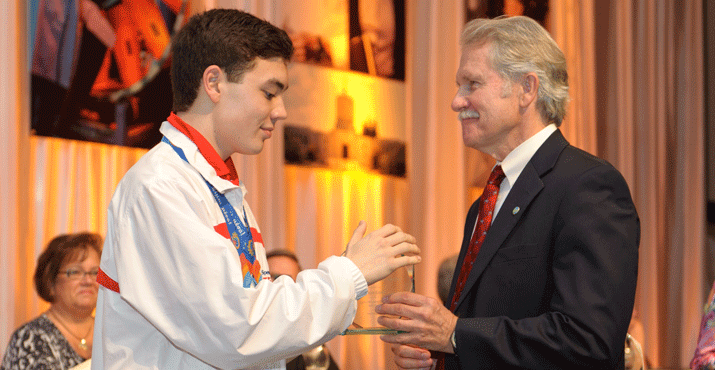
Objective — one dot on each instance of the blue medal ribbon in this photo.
(239, 231)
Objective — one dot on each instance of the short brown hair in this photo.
(228, 38)
(62, 248)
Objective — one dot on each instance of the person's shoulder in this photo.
(159, 167)
(575, 161)
(572, 153)
(579, 170)
(557, 158)
(159, 162)
(40, 324)
(159, 182)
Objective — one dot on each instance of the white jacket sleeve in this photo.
(185, 280)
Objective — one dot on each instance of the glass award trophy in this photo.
(365, 322)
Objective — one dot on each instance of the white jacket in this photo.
(177, 299)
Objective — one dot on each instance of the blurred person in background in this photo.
(61, 337)
(444, 277)
(704, 356)
(284, 262)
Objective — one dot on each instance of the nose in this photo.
(279, 111)
(459, 103)
(88, 277)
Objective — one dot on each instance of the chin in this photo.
(251, 150)
(468, 141)
(256, 151)
(259, 147)
(86, 306)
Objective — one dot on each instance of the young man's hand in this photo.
(382, 251)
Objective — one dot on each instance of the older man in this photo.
(550, 284)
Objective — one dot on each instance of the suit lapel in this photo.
(527, 186)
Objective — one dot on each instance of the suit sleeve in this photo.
(595, 236)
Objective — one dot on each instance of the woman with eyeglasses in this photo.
(61, 337)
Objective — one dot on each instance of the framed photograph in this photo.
(344, 120)
(536, 9)
(366, 36)
(100, 69)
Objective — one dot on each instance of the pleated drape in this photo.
(651, 126)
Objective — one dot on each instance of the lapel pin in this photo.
(515, 210)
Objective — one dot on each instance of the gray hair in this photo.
(519, 45)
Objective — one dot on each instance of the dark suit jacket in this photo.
(554, 283)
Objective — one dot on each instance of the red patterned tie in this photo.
(486, 208)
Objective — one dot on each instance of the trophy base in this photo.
(401, 280)
(370, 331)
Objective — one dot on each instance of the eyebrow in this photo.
(275, 82)
(471, 78)
(463, 77)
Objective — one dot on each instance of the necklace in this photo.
(82, 341)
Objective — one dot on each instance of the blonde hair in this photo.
(519, 45)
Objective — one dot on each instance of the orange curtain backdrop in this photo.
(322, 208)
(572, 26)
(72, 183)
(14, 185)
(651, 126)
(436, 158)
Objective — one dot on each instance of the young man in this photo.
(184, 273)
(551, 283)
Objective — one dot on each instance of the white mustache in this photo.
(465, 114)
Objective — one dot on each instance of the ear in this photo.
(210, 82)
(529, 89)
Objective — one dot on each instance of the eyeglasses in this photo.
(77, 274)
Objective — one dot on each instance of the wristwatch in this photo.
(454, 341)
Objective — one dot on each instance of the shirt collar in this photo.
(515, 161)
(224, 169)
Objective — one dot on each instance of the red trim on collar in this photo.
(104, 280)
(224, 169)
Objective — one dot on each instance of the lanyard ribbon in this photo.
(239, 231)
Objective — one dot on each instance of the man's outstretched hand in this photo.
(423, 321)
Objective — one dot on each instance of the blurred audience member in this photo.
(704, 357)
(284, 262)
(635, 360)
(61, 337)
(444, 276)
(635, 356)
